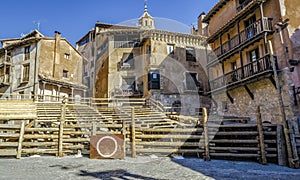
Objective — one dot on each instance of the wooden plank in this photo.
(76, 140)
(21, 138)
(6, 135)
(167, 136)
(235, 148)
(43, 136)
(236, 133)
(32, 144)
(9, 144)
(281, 152)
(246, 141)
(295, 160)
(171, 144)
(171, 130)
(8, 152)
(61, 128)
(261, 136)
(133, 148)
(168, 150)
(234, 155)
(232, 125)
(41, 129)
(9, 126)
(205, 133)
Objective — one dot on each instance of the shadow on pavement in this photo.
(113, 174)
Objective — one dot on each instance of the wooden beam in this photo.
(206, 140)
(261, 136)
(21, 138)
(281, 152)
(133, 145)
(249, 92)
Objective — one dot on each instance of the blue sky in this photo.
(74, 18)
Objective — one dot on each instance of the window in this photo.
(67, 56)
(153, 80)
(170, 49)
(128, 83)
(250, 30)
(190, 54)
(26, 69)
(233, 66)
(127, 60)
(253, 55)
(65, 73)
(191, 81)
(27, 53)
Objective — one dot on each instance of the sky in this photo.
(74, 18)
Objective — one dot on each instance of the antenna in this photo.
(38, 24)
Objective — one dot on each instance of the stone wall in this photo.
(265, 95)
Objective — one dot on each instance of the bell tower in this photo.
(146, 21)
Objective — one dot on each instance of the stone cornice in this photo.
(174, 37)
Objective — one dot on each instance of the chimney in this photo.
(56, 58)
(201, 24)
(57, 35)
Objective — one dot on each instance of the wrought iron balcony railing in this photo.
(254, 69)
(249, 33)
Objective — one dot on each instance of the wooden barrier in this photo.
(62, 128)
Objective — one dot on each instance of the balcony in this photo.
(255, 69)
(7, 60)
(4, 80)
(126, 44)
(245, 36)
(243, 5)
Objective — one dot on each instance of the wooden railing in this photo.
(250, 32)
(3, 60)
(255, 68)
(4, 79)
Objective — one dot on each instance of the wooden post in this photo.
(94, 128)
(261, 136)
(295, 161)
(205, 131)
(124, 134)
(61, 128)
(133, 148)
(21, 137)
(281, 152)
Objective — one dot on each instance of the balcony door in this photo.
(253, 60)
(249, 27)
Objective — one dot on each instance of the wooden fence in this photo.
(63, 128)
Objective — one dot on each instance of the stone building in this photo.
(141, 61)
(240, 67)
(38, 65)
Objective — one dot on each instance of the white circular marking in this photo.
(107, 155)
